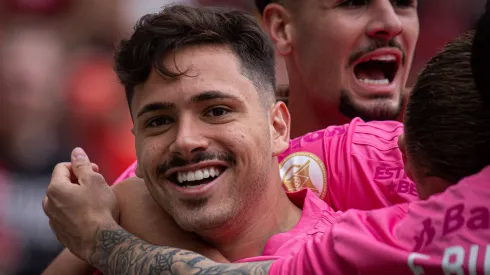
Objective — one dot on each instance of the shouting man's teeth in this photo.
(375, 82)
(386, 58)
(377, 70)
(197, 175)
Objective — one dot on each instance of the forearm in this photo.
(119, 252)
(67, 263)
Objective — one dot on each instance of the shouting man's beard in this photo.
(380, 108)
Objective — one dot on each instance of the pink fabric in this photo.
(356, 165)
(364, 167)
(316, 218)
(447, 234)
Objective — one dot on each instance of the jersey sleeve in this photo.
(352, 166)
(447, 234)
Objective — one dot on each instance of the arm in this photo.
(118, 251)
(67, 263)
(142, 216)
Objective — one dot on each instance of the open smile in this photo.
(196, 176)
(377, 70)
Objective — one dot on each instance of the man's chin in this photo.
(377, 108)
(199, 221)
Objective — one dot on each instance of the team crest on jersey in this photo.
(304, 170)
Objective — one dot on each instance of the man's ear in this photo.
(138, 172)
(403, 150)
(280, 121)
(277, 22)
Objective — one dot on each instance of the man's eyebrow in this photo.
(204, 96)
(157, 106)
(210, 95)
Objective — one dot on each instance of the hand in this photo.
(78, 201)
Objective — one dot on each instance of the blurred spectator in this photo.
(57, 91)
(31, 73)
(30, 77)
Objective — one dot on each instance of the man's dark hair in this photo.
(158, 35)
(447, 122)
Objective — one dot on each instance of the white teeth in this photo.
(197, 174)
(182, 177)
(205, 173)
(375, 82)
(388, 57)
(190, 176)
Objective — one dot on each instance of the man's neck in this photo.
(308, 117)
(246, 237)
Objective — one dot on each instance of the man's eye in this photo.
(217, 112)
(158, 121)
(404, 3)
(353, 3)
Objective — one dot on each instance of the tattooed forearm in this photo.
(119, 252)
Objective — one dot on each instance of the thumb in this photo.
(80, 163)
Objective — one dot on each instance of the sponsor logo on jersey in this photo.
(304, 170)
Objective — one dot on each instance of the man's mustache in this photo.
(376, 44)
(177, 161)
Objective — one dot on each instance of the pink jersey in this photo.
(357, 165)
(447, 234)
(316, 218)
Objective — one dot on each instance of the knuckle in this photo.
(91, 177)
(51, 190)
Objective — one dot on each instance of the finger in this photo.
(74, 179)
(80, 163)
(62, 171)
(47, 208)
(45, 204)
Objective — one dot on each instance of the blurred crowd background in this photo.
(58, 91)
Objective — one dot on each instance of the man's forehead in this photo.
(188, 85)
(194, 81)
(201, 57)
